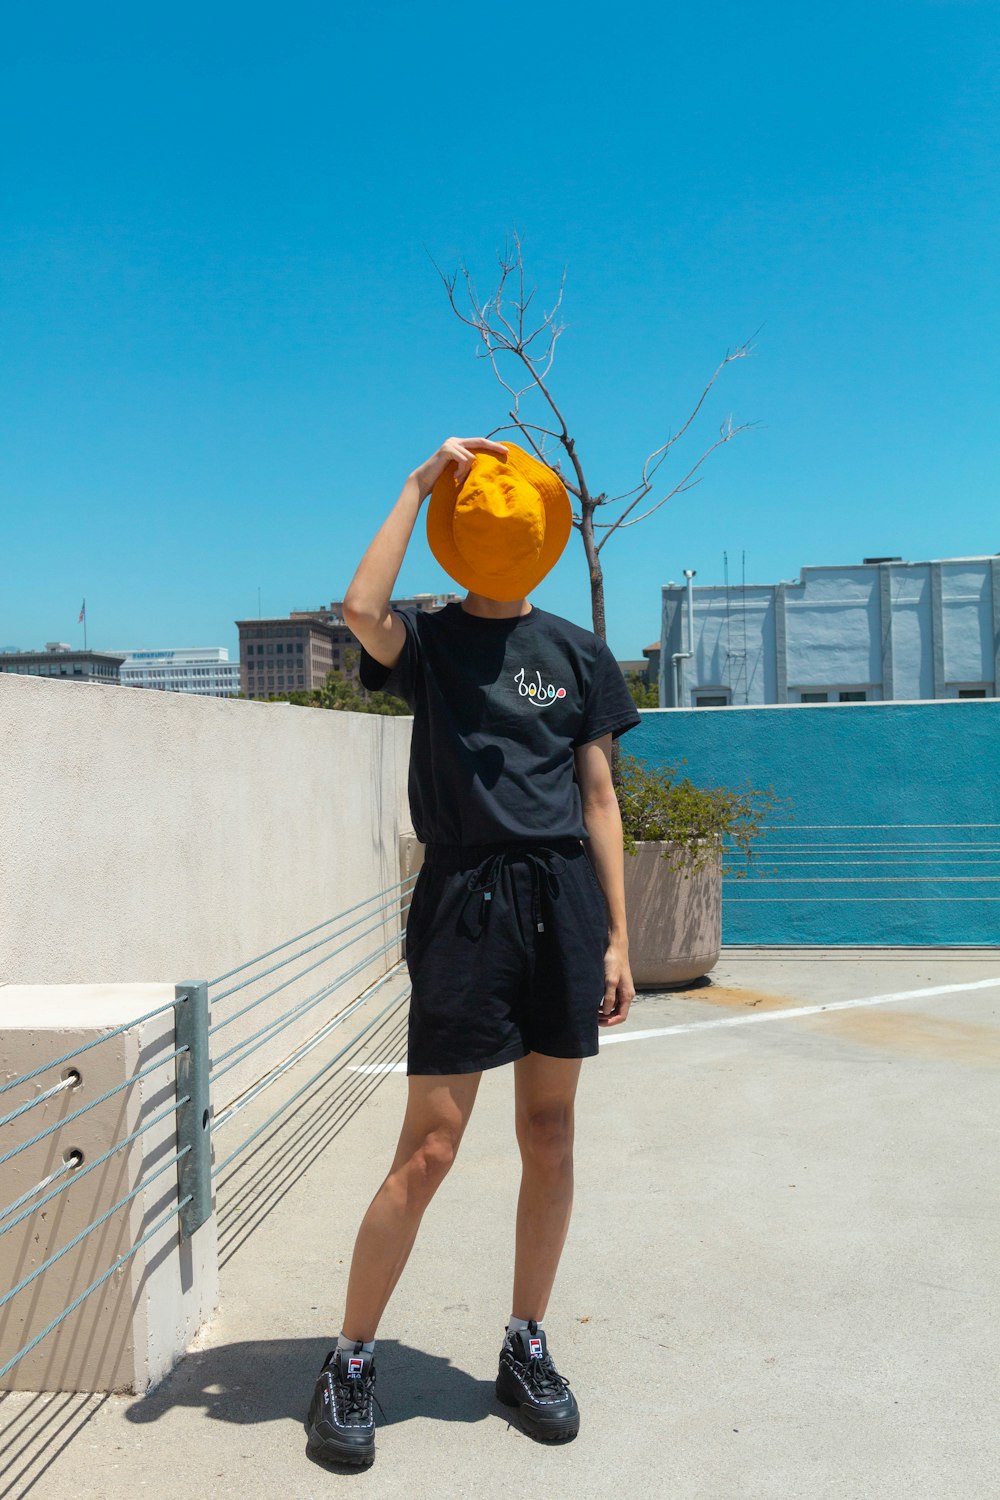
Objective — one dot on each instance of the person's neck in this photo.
(495, 609)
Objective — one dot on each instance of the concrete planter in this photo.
(674, 924)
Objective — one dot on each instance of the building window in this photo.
(814, 697)
(972, 692)
(301, 679)
(853, 696)
(711, 700)
(299, 648)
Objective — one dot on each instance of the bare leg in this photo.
(437, 1112)
(544, 1093)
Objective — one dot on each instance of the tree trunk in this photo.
(587, 507)
(594, 568)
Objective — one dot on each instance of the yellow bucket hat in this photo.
(504, 529)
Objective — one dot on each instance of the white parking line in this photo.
(749, 1019)
(801, 1010)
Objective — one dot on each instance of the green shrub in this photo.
(660, 805)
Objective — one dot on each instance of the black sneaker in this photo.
(529, 1380)
(341, 1422)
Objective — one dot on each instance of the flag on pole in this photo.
(83, 611)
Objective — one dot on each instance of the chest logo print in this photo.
(541, 693)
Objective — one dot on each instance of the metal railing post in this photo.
(194, 1169)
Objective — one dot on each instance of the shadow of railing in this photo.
(35, 1429)
(253, 1186)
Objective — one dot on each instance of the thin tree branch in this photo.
(726, 434)
(742, 351)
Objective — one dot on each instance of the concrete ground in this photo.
(780, 1281)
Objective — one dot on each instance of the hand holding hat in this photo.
(458, 451)
(498, 518)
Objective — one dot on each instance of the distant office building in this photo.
(205, 670)
(648, 668)
(60, 660)
(298, 653)
(286, 655)
(881, 629)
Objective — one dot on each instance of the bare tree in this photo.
(520, 345)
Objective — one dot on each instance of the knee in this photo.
(431, 1160)
(546, 1139)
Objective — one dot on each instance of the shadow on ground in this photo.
(255, 1382)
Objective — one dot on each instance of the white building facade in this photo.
(881, 629)
(206, 670)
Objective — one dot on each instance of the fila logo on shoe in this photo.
(534, 1348)
(354, 1367)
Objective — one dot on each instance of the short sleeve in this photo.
(609, 707)
(401, 678)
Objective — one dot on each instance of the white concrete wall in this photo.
(912, 633)
(932, 642)
(832, 629)
(129, 1332)
(968, 623)
(163, 837)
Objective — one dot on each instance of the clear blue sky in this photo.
(224, 343)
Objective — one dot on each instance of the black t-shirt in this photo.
(499, 706)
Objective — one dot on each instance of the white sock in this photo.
(343, 1343)
(518, 1325)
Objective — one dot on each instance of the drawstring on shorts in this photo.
(544, 861)
(545, 865)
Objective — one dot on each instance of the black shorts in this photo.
(505, 946)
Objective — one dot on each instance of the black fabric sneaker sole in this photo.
(359, 1455)
(555, 1429)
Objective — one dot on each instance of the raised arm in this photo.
(366, 603)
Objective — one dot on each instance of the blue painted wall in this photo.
(905, 765)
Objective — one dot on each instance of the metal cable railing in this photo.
(30, 1203)
(77, 1301)
(308, 933)
(269, 1078)
(264, 1036)
(69, 1082)
(75, 1167)
(98, 1223)
(269, 994)
(920, 862)
(220, 1166)
(190, 1157)
(98, 1041)
(267, 1033)
(85, 1109)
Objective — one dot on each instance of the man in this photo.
(517, 953)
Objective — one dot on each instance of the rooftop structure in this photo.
(60, 660)
(206, 670)
(877, 630)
